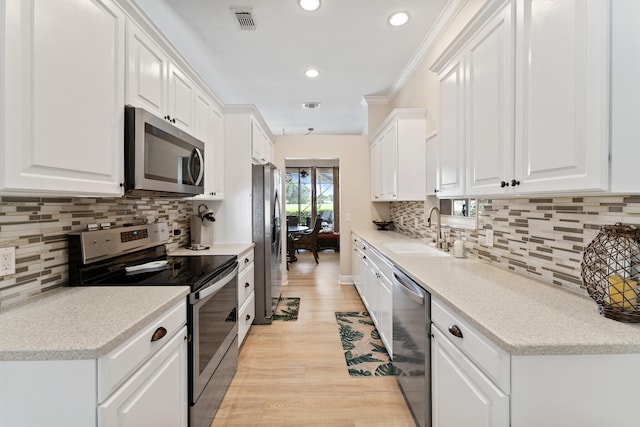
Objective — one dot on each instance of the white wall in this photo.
(353, 154)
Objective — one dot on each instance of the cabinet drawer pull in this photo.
(246, 260)
(455, 331)
(158, 334)
(246, 285)
(248, 317)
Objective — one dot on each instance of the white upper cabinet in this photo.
(452, 132)
(261, 145)
(63, 97)
(181, 99)
(147, 71)
(536, 99)
(489, 106)
(208, 127)
(433, 168)
(384, 162)
(398, 157)
(156, 83)
(562, 95)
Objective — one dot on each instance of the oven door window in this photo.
(214, 327)
(168, 159)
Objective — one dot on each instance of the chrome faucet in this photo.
(442, 244)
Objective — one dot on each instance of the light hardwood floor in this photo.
(294, 373)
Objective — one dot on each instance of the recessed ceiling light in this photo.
(398, 19)
(311, 73)
(310, 5)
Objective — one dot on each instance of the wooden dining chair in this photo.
(309, 241)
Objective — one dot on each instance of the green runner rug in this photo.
(363, 349)
(287, 309)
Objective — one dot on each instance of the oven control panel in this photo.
(102, 244)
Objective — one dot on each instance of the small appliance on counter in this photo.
(201, 229)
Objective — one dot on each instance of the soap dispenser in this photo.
(458, 247)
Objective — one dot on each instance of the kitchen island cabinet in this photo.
(543, 353)
(95, 356)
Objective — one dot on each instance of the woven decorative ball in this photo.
(611, 272)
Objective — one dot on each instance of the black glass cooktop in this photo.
(193, 271)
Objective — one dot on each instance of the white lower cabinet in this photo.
(462, 394)
(372, 276)
(246, 315)
(385, 311)
(470, 378)
(141, 382)
(155, 395)
(246, 294)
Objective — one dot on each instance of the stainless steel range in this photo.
(136, 256)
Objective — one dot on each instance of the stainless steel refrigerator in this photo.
(266, 236)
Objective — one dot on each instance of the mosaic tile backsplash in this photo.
(38, 227)
(543, 238)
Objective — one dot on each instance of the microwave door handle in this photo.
(196, 181)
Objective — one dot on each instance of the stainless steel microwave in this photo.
(160, 157)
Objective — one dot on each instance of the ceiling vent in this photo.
(245, 19)
(310, 105)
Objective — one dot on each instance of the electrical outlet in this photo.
(7, 261)
(489, 238)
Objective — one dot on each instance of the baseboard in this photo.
(346, 280)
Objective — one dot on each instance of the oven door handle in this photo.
(215, 287)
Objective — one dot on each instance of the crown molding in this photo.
(449, 12)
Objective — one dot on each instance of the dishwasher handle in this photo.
(408, 287)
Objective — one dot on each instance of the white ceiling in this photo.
(349, 42)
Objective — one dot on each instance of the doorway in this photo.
(312, 189)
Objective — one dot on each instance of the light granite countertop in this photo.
(215, 249)
(521, 315)
(72, 323)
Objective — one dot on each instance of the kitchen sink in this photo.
(415, 248)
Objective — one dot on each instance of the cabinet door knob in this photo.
(158, 334)
(248, 317)
(246, 285)
(515, 182)
(246, 260)
(504, 184)
(455, 331)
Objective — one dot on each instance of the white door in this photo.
(147, 68)
(433, 186)
(216, 149)
(451, 149)
(181, 99)
(156, 395)
(562, 98)
(64, 83)
(489, 102)
(257, 143)
(385, 309)
(390, 163)
(461, 394)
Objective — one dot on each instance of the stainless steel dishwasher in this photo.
(412, 345)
